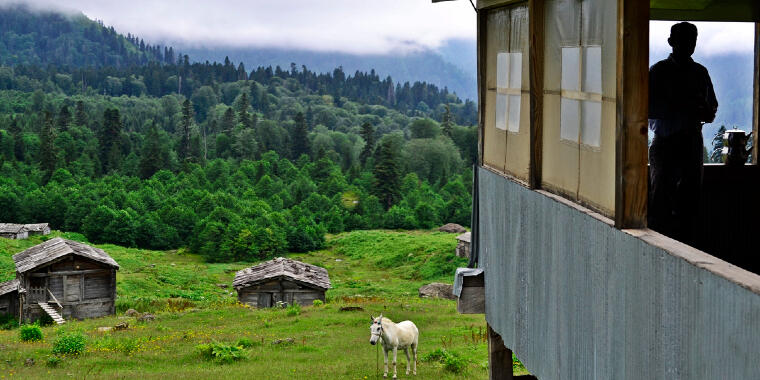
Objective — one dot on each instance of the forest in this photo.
(226, 163)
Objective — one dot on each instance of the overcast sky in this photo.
(351, 26)
(354, 26)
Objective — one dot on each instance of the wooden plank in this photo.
(481, 53)
(631, 173)
(499, 357)
(485, 4)
(472, 300)
(756, 96)
(69, 273)
(536, 18)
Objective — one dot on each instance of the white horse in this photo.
(403, 335)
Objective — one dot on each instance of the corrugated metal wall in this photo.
(577, 299)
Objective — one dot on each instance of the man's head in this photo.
(683, 39)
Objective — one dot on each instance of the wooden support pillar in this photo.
(499, 357)
(481, 55)
(536, 67)
(631, 173)
(756, 96)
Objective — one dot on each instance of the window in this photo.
(581, 105)
(508, 91)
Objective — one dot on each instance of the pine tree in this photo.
(300, 136)
(368, 134)
(80, 116)
(446, 122)
(228, 120)
(64, 118)
(183, 152)
(242, 111)
(48, 151)
(387, 174)
(309, 118)
(18, 139)
(110, 140)
(154, 154)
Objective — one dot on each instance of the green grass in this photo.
(379, 271)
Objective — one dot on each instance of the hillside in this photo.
(378, 271)
(68, 39)
(439, 68)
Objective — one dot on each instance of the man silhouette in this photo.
(681, 99)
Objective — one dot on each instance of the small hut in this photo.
(9, 298)
(463, 245)
(37, 229)
(281, 280)
(13, 231)
(65, 279)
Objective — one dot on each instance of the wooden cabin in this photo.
(37, 229)
(281, 280)
(65, 279)
(574, 281)
(13, 231)
(9, 298)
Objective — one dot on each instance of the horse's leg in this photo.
(414, 353)
(395, 352)
(385, 371)
(406, 350)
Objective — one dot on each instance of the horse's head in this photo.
(376, 329)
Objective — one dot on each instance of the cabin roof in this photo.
(11, 228)
(8, 286)
(307, 274)
(56, 248)
(465, 237)
(37, 227)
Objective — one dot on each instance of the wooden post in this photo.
(631, 172)
(499, 357)
(481, 52)
(756, 96)
(536, 67)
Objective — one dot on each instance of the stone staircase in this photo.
(52, 313)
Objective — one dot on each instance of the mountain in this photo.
(444, 68)
(38, 37)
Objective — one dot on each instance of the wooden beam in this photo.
(499, 357)
(631, 173)
(69, 273)
(481, 52)
(536, 67)
(756, 96)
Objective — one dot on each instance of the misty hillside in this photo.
(46, 37)
(444, 68)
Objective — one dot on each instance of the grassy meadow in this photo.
(379, 271)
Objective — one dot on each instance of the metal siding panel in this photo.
(576, 298)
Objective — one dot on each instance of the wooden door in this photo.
(72, 288)
(264, 300)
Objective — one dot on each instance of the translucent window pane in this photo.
(514, 113)
(502, 70)
(592, 69)
(501, 111)
(515, 70)
(571, 61)
(591, 123)
(569, 119)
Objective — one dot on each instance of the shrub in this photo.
(221, 353)
(451, 361)
(246, 343)
(30, 333)
(8, 322)
(69, 344)
(53, 361)
(318, 303)
(294, 309)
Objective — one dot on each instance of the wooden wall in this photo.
(9, 304)
(268, 294)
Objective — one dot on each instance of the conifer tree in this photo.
(64, 118)
(446, 122)
(18, 139)
(228, 120)
(110, 144)
(300, 136)
(368, 134)
(48, 151)
(242, 111)
(154, 154)
(387, 174)
(80, 116)
(183, 152)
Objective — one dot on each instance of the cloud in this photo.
(350, 26)
(715, 38)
